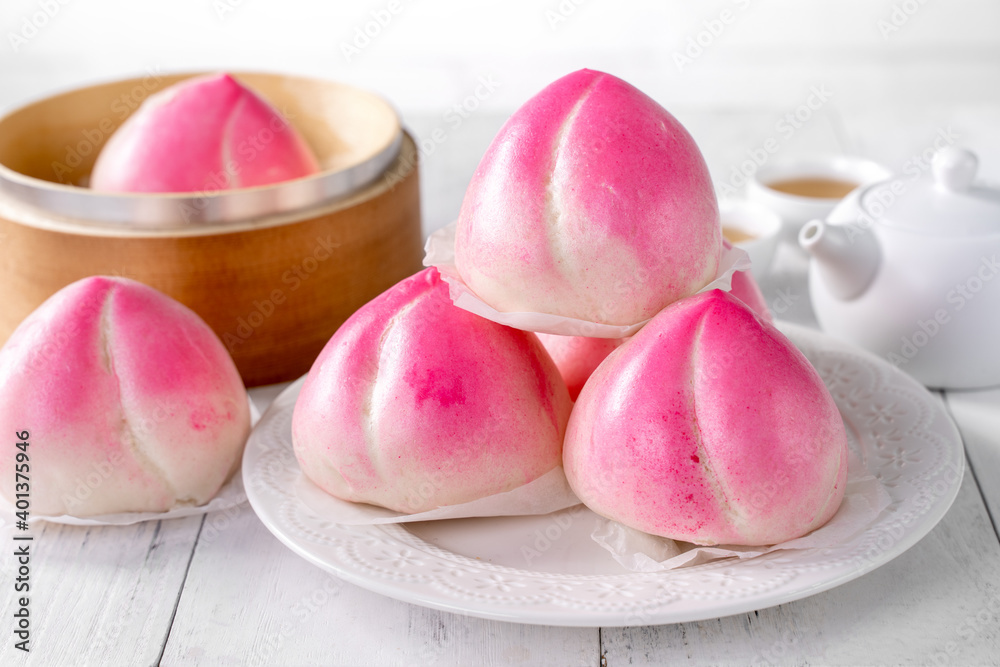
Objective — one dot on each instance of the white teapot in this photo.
(910, 269)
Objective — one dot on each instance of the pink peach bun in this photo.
(708, 426)
(415, 404)
(201, 135)
(131, 402)
(592, 202)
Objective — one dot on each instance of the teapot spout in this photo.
(847, 256)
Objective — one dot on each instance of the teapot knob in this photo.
(955, 168)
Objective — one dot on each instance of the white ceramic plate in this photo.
(546, 570)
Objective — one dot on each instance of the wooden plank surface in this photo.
(977, 414)
(249, 600)
(100, 595)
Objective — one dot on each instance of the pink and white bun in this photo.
(576, 357)
(131, 402)
(203, 134)
(708, 426)
(415, 404)
(592, 202)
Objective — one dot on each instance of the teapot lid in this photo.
(947, 202)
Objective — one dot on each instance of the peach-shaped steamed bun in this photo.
(710, 427)
(576, 357)
(202, 134)
(415, 403)
(592, 202)
(131, 402)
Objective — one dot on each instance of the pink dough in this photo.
(131, 402)
(203, 134)
(415, 403)
(592, 202)
(708, 426)
(576, 357)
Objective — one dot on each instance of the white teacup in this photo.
(806, 188)
(752, 227)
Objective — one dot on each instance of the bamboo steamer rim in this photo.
(356, 136)
(406, 162)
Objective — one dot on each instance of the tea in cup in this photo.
(807, 188)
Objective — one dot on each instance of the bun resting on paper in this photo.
(131, 402)
(415, 404)
(592, 202)
(202, 134)
(708, 426)
(576, 357)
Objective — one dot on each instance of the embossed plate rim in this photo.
(920, 500)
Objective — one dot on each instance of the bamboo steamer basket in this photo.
(274, 270)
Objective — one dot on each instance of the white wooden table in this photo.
(221, 590)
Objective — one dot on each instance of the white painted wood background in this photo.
(223, 591)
